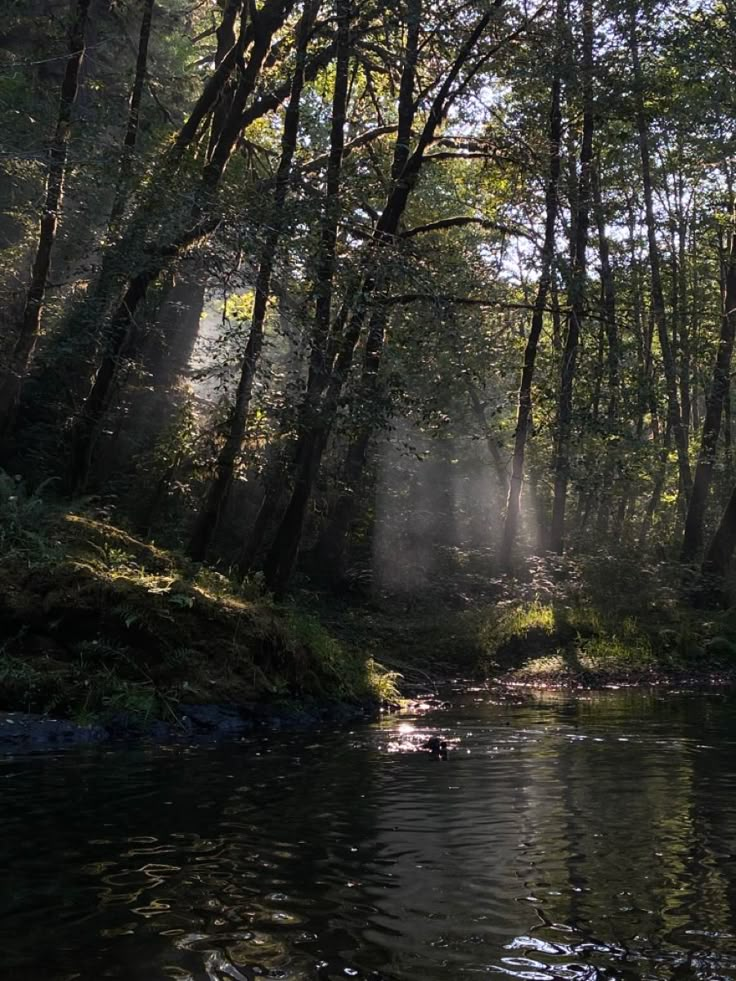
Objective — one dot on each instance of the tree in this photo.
(577, 287)
(716, 398)
(227, 458)
(313, 439)
(30, 324)
(524, 412)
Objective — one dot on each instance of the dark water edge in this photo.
(574, 836)
(27, 730)
(24, 731)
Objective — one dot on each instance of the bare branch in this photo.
(367, 137)
(460, 220)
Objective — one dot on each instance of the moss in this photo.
(96, 621)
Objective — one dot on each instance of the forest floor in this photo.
(544, 643)
(96, 624)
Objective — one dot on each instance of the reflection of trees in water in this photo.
(311, 815)
(447, 835)
(185, 855)
(542, 843)
(641, 870)
(710, 905)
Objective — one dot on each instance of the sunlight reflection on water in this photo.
(571, 839)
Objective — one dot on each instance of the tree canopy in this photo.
(342, 290)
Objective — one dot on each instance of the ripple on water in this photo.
(583, 839)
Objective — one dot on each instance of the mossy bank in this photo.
(97, 625)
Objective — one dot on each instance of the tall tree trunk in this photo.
(217, 493)
(656, 495)
(166, 356)
(685, 342)
(313, 440)
(577, 295)
(134, 112)
(695, 307)
(727, 434)
(608, 289)
(524, 411)
(325, 266)
(127, 258)
(272, 499)
(641, 335)
(491, 438)
(658, 305)
(609, 304)
(693, 540)
(226, 39)
(320, 358)
(29, 327)
(123, 330)
(331, 546)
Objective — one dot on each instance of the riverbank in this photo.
(101, 628)
(104, 635)
(552, 639)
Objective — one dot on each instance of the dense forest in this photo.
(358, 297)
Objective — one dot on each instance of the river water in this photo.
(572, 838)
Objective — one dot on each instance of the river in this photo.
(571, 837)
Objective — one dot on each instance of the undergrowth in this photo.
(95, 622)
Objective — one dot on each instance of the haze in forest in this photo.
(361, 295)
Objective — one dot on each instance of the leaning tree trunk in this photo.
(658, 305)
(217, 494)
(313, 440)
(332, 543)
(127, 258)
(717, 395)
(29, 327)
(324, 276)
(322, 340)
(720, 551)
(119, 333)
(577, 295)
(524, 411)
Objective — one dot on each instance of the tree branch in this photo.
(442, 298)
(459, 220)
(367, 137)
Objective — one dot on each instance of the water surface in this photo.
(572, 838)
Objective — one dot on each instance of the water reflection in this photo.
(586, 838)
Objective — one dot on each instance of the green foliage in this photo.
(24, 520)
(130, 628)
(349, 673)
(436, 407)
(22, 684)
